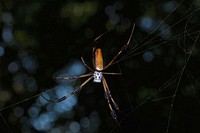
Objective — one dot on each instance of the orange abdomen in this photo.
(98, 60)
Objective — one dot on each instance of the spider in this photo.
(97, 74)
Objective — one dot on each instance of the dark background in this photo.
(159, 87)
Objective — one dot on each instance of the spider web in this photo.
(167, 92)
(173, 84)
(187, 43)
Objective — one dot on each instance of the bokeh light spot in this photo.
(13, 67)
(31, 84)
(118, 5)
(18, 111)
(169, 6)
(33, 112)
(147, 23)
(110, 10)
(165, 31)
(148, 56)
(85, 122)
(4, 95)
(74, 127)
(95, 121)
(42, 123)
(7, 18)
(29, 63)
(1, 51)
(7, 34)
(76, 68)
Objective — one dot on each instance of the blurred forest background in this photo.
(158, 91)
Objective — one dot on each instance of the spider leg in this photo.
(108, 73)
(77, 89)
(74, 77)
(97, 38)
(109, 94)
(83, 61)
(122, 49)
(113, 113)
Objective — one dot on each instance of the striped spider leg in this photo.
(97, 74)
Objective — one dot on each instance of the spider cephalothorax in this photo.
(97, 76)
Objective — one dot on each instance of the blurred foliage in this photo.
(78, 13)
